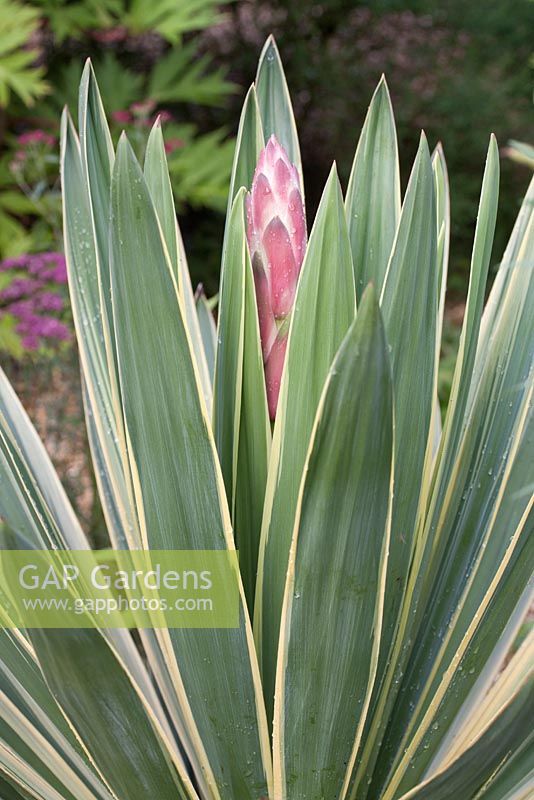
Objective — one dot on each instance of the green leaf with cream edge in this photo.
(345, 491)
(325, 303)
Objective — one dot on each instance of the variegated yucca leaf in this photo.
(385, 561)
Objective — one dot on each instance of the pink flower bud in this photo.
(273, 372)
(276, 233)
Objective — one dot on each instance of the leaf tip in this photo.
(88, 73)
(333, 181)
(369, 301)
(268, 54)
(383, 84)
(251, 91)
(423, 151)
(157, 123)
(381, 95)
(124, 148)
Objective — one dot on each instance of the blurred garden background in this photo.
(459, 70)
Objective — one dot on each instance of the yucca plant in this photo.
(385, 560)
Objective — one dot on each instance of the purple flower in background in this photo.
(20, 287)
(30, 342)
(23, 309)
(45, 327)
(49, 301)
(49, 266)
(55, 274)
(34, 298)
(13, 263)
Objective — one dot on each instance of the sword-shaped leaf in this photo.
(241, 422)
(337, 569)
(373, 201)
(179, 492)
(274, 103)
(411, 282)
(248, 146)
(479, 531)
(158, 181)
(208, 330)
(499, 759)
(324, 309)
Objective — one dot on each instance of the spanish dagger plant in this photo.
(385, 559)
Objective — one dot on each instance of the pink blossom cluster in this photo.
(143, 114)
(29, 143)
(36, 137)
(33, 296)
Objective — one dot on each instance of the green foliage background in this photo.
(459, 70)
(149, 62)
(463, 69)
